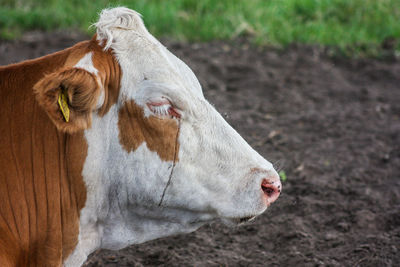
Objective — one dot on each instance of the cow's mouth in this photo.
(246, 219)
(241, 220)
(234, 221)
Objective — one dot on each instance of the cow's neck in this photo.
(45, 179)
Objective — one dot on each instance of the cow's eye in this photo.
(163, 109)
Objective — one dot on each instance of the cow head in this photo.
(161, 160)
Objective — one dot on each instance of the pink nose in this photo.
(271, 190)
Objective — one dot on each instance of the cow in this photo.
(111, 143)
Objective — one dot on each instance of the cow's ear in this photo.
(68, 96)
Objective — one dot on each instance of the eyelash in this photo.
(164, 110)
(161, 110)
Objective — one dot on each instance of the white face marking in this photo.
(213, 178)
(86, 63)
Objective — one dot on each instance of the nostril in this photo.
(271, 191)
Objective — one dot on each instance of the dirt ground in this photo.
(333, 126)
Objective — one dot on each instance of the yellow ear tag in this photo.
(62, 102)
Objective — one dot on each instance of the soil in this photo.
(331, 124)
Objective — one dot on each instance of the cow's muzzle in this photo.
(271, 190)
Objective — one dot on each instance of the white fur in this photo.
(86, 63)
(212, 179)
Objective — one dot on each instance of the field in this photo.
(333, 127)
(325, 110)
(356, 27)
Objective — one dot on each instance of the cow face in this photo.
(167, 160)
(161, 160)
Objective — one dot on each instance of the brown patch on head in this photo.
(109, 74)
(82, 90)
(82, 87)
(109, 71)
(159, 134)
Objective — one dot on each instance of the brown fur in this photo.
(41, 186)
(82, 92)
(158, 134)
(83, 89)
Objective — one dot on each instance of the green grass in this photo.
(283, 176)
(358, 25)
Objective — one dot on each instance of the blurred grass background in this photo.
(360, 26)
